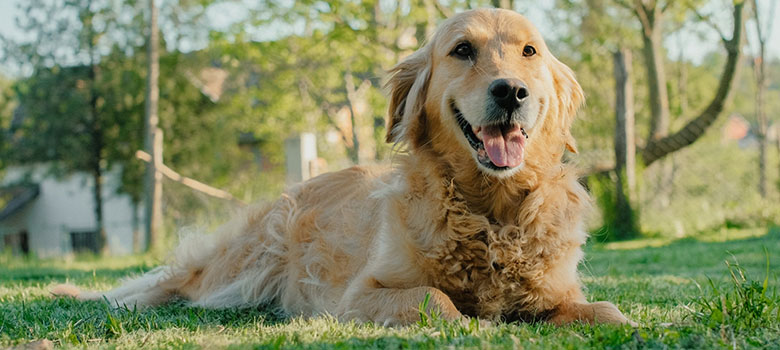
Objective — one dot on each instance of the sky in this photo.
(8, 12)
(695, 48)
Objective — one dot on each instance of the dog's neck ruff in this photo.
(492, 269)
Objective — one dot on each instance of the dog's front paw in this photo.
(481, 323)
(606, 312)
(593, 313)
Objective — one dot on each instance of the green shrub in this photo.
(743, 306)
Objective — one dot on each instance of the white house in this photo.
(53, 216)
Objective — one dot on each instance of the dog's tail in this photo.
(240, 265)
(158, 285)
(145, 290)
(69, 290)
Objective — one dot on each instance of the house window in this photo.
(17, 243)
(85, 242)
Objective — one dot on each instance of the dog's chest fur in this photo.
(489, 270)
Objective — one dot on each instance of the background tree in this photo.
(69, 129)
(329, 74)
(282, 68)
(7, 107)
(759, 69)
(659, 144)
(625, 161)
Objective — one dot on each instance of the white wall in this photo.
(65, 205)
(300, 152)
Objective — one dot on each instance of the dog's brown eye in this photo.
(463, 51)
(529, 51)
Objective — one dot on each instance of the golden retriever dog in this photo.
(480, 213)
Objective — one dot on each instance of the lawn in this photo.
(661, 284)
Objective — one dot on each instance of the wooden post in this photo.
(625, 147)
(154, 209)
(153, 138)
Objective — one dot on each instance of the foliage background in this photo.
(319, 66)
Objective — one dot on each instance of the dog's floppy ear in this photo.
(570, 98)
(408, 84)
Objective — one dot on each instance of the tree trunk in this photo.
(97, 176)
(657, 149)
(359, 110)
(136, 227)
(651, 17)
(96, 135)
(762, 124)
(505, 4)
(682, 83)
(354, 151)
(430, 24)
(625, 152)
(153, 137)
(652, 30)
(759, 68)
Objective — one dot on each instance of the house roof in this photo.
(14, 198)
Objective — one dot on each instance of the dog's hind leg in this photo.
(367, 300)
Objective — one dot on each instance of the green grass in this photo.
(680, 292)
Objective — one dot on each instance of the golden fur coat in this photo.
(495, 242)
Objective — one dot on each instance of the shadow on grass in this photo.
(49, 274)
(79, 322)
(687, 257)
(721, 234)
(69, 322)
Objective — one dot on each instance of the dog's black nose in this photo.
(508, 93)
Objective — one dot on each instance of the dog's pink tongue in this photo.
(505, 148)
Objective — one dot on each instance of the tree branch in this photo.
(666, 5)
(186, 181)
(710, 22)
(770, 22)
(445, 12)
(657, 149)
(624, 4)
(762, 35)
(323, 105)
(645, 16)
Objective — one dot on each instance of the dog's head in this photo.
(485, 87)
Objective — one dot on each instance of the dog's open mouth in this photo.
(498, 146)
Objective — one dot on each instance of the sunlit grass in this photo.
(665, 289)
(721, 234)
